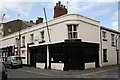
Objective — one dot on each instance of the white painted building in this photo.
(86, 29)
(75, 42)
(110, 40)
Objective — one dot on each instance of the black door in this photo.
(73, 55)
(33, 57)
(38, 55)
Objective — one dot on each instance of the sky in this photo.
(105, 11)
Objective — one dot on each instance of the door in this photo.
(32, 57)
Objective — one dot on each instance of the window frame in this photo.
(16, 42)
(105, 58)
(112, 39)
(42, 35)
(31, 38)
(23, 41)
(73, 32)
(104, 36)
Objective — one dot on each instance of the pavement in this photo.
(31, 72)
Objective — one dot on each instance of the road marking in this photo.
(35, 72)
(87, 74)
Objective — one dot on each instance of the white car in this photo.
(13, 61)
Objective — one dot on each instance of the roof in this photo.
(111, 30)
(26, 22)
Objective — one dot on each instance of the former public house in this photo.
(67, 42)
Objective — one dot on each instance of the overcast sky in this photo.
(105, 11)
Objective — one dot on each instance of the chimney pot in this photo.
(39, 20)
(56, 4)
(59, 3)
(62, 6)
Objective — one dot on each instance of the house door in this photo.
(33, 57)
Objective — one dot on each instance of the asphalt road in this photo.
(30, 72)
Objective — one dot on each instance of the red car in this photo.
(3, 72)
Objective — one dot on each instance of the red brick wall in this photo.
(59, 10)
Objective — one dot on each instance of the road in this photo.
(31, 72)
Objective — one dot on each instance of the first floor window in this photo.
(72, 31)
(105, 55)
(112, 39)
(23, 41)
(104, 35)
(17, 42)
(42, 35)
(32, 37)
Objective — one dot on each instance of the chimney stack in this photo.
(59, 3)
(59, 10)
(39, 20)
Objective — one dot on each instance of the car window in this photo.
(16, 58)
(8, 59)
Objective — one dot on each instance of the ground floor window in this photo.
(105, 55)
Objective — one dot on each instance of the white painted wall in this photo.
(57, 66)
(88, 30)
(111, 50)
(40, 65)
(89, 65)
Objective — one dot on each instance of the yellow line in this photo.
(86, 74)
(35, 72)
(98, 72)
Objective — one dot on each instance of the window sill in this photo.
(113, 45)
(106, 61)
(104, 39)
(41, 41)
(31, 43)
(22, 47)
(16, 47)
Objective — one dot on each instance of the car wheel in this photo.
(20, 66)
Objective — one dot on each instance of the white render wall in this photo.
(88, 30)
(111, 50)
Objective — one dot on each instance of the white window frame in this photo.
(104, 36)
(23, 53)
(42, 36)
(113, 39)
(31, 38)
(72, 36)
(105, 54)
(23, 40)
(16, 42)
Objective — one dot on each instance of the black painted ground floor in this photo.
(73, 53)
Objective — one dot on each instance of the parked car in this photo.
(13, 61)
(3, 72)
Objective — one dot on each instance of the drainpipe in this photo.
(101, 46)
(117, 50)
